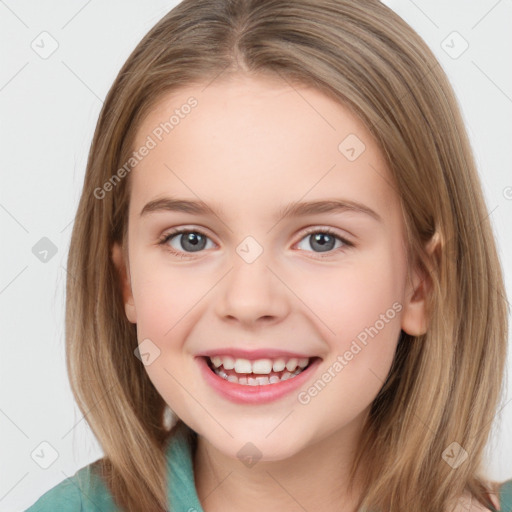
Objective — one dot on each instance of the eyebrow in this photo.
(296, 209)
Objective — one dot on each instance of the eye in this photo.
(324, 240)
(190, 240)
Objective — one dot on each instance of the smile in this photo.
(261, 372)
(259, 381)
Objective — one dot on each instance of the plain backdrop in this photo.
(58, 60)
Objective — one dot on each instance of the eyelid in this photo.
(181, 230)
(304, 233)
(314, 228)
(326, 229)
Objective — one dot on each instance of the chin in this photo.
(257, 447)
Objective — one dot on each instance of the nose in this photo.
(253, 293)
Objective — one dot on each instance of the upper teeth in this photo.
(260, 366)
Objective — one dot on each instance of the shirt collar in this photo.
(181, 489)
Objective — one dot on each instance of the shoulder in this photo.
(500, 496)
(64, 496)
(504, 495)
(84, 491)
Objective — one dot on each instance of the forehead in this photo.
(245, 140)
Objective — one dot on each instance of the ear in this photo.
(419, 285)
(123, 271)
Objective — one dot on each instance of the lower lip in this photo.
(245, 394)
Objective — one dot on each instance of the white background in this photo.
(49, 109)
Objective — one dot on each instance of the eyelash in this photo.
(184, 255)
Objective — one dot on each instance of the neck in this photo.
(313, 479)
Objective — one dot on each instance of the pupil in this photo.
(194, 239)
(325, 241)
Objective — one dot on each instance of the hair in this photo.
(444, 386)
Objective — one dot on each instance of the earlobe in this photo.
(123, 273)
(414, 317)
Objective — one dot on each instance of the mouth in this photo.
(260, 372)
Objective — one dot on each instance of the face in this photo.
(328, 287)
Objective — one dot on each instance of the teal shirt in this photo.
(85, 491)
(506, 496)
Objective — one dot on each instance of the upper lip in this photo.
(253, 355)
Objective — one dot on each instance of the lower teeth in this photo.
(257, 381)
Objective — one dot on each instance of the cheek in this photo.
(361, 307)
(348, 299)
(165, 299)
(165, 305)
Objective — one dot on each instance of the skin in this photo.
(253, 145)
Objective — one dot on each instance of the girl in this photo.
(285, 291)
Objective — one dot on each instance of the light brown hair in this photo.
(444, 386)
